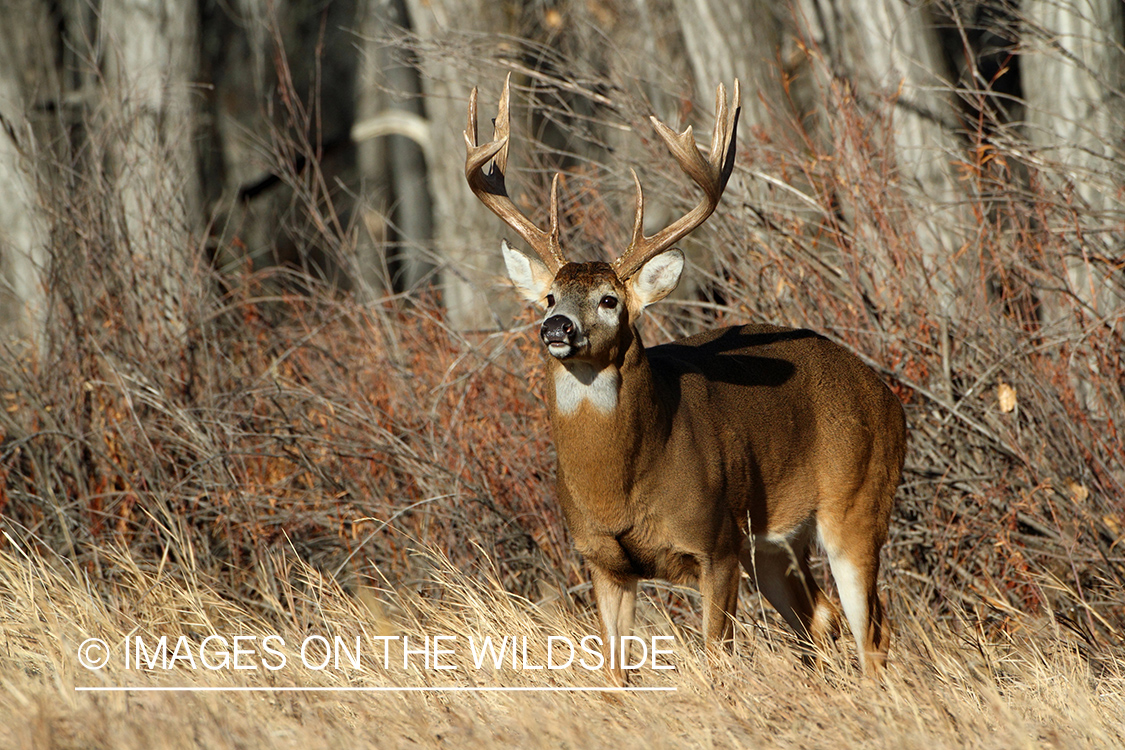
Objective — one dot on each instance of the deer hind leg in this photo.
(782, 573)
(855, 568)
(617, 604)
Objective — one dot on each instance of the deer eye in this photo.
(609, 302)
(550, 300)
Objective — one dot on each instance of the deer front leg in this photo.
(617, 601)
(718, 583)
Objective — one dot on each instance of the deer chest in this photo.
(635, 551)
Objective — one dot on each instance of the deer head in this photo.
(589, 306)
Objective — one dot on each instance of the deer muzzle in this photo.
(561, 335)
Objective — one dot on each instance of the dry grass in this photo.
(944, 689)
(291, 461)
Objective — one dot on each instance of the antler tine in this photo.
(489, 186)
(639, 215)
(711, 174)
(554, 230)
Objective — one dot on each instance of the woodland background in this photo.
(259, 367)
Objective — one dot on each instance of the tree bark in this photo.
(1074, 72)
(888, 52)
(397, 208)
(732, 40)
(468, 271)
(23, 235)
(724, 41)
(151, 63)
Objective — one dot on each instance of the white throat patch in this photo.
(581, 382)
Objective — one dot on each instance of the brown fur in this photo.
(752, 432)
(733, 447)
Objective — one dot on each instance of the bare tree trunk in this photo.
(1074, 71)
(468, 271)
(151, 62)
(889, 52)
(728, 40)
(724, 41)
(22, 224)
(398, 210)
(376, 196)
(238, 65)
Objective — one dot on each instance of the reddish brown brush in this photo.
(289, 414)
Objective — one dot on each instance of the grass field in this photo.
(263, 454)
(948, 686)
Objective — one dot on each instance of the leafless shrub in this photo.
(285, 415)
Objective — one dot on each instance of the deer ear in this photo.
(530, 275)
(657, 278)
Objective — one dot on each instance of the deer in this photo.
(729, 450)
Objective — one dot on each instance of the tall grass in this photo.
(945, 687)
(289, 459)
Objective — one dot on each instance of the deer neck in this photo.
(601, 419)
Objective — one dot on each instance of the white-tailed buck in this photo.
(736, 445)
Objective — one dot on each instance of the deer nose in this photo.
(557, 329)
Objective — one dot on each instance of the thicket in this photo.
(276, 415)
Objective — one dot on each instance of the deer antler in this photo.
(488, 185)
(711, 174)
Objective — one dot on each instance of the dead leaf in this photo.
(1078, 491)
(1007, 397)
(1112, 524)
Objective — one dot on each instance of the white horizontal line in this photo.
(409, 689)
